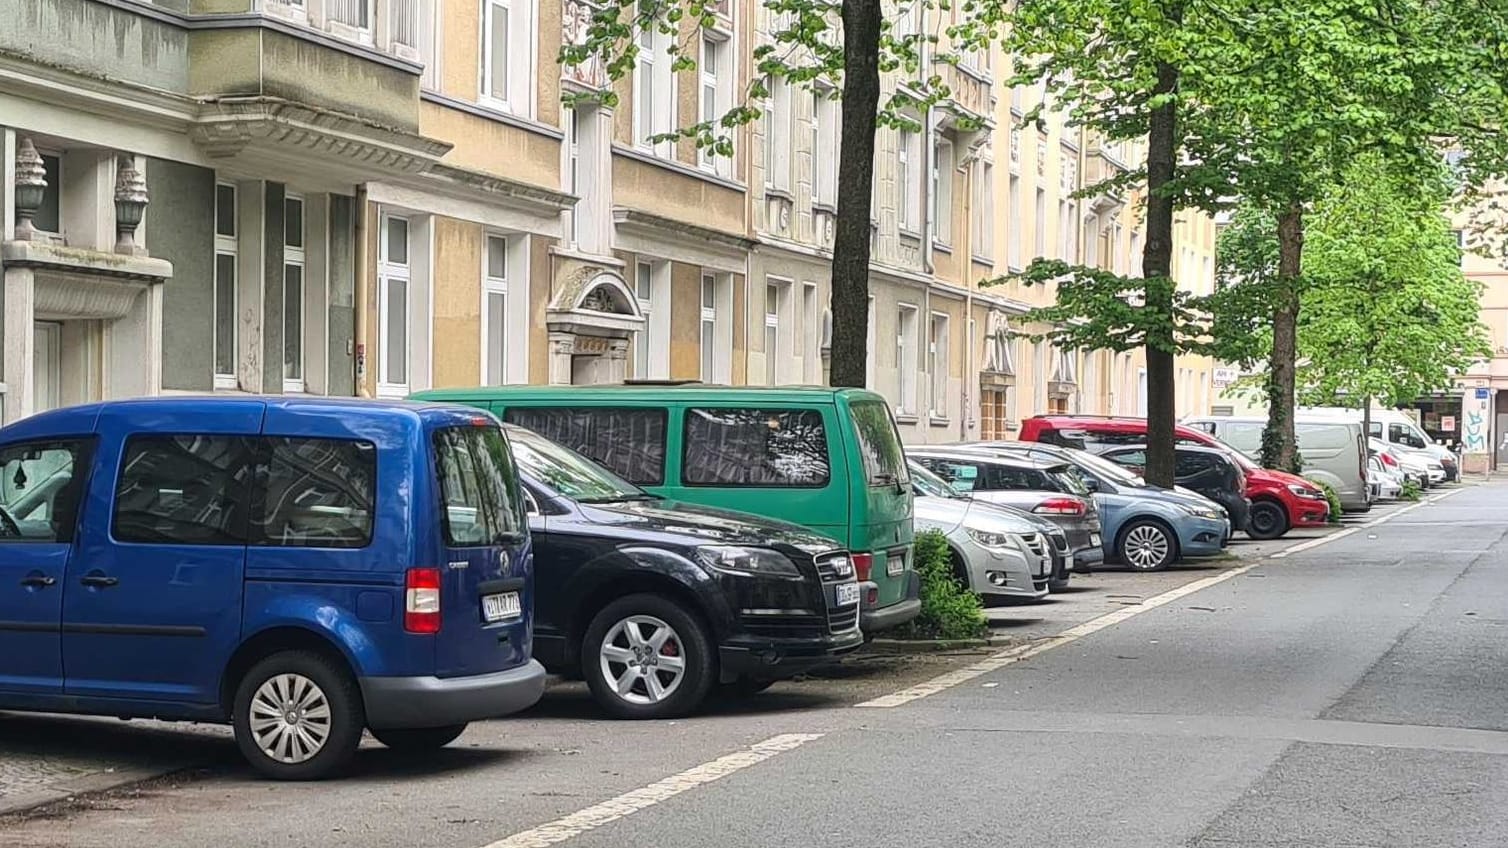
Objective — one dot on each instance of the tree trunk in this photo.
(1157, 269)
(1279, 445)
(850, 273)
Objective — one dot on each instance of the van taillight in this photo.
(863, 564)
(421, 600)
(1060, 506)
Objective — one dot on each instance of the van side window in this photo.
(776, 448)
(879, 443)
(628, 442)
(319, 493)
(41, 485)
(185, 490)
(478, 487)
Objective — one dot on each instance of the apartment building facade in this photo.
(373, 197)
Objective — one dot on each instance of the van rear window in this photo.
(879, 444)
(479, 493)
(775, 448)
(629, 442)
(319, 493)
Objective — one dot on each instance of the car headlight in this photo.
(1306, 492)
(1200, 511)
(759, 562)
(992, 540)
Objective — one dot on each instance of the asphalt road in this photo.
(1347, 694)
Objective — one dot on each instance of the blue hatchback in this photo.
(302, 569)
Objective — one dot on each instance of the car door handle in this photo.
(38, 581)
(99, 580)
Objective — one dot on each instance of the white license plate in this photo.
(848, 593)
(1094, 539)
(499, 607)
(895, 565)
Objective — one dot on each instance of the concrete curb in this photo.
(933, 646)
(94, 782)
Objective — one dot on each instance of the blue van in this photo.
(302, 569)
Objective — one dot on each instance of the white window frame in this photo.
(1068, 226)
(777, 136)
(652, 73)
(351, 32)
(716, 79)
(294, 257)
(518, 99)
(571, 171)
(707, 340)
(907, 201)
(227, 245)
(937, 361)
(811, 334)
(651, 347)
(983, 217)
(494, 285)
(392, 20)
(906, 320)
(1014, 241)
(644, 286)
(778, 289)
(56, 187)
(941, 192)
(827, 133)
(388, 270)
(296, 11)
(431, 43)
(1039, 214)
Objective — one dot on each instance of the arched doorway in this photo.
(591, 318)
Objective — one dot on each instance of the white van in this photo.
(1399, 431)
(1332, 449)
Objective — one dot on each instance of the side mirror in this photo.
(1092, 484)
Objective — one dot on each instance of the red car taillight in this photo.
(421, 600)
(1060, 506)
(863, 564)
(1388, 460)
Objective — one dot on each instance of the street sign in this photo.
(1481, 394)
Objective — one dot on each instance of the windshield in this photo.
(930, 484)
(1107, 469)
(569, 473)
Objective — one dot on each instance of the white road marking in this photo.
(629, 803)
(1073, 634)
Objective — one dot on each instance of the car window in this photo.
(1007, 477)
(1134, 459)
(929, 484)
(775, 448)
(629, 441)
(319, 493)
(41, 486)
(1244, 436)
(569, 473)
(1065, 479)
(1190, 463)
(961, 476)
(1097, 465)
(879, 444)
(185, 490)
(1405, 434)
(478, 487)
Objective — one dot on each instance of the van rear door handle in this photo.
(99, 580)
(38, 581)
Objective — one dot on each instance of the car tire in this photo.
(664, 692)
(1267, 520)
(315, 710)
(417, 739)
(960, 571)
(1147, 545)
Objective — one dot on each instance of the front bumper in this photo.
(400, 702)
(1020, 580)
(1200, 537)
(772, 659)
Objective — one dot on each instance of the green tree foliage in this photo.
(949, 611)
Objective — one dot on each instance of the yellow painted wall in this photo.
(461, 36)
(685, 321)
(458, 305)
(493, 147)
(682, 197)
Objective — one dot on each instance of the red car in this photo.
(1279, 501)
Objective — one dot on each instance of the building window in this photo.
(507, 61)
(716, 96)
(495, 312)
(772, 304)
(1039, 220)
(293, 294)
(350, 18)
(49, 215)
(429, 47)
(777, 135)
(905, 358)
(1013, 238)
(406, 32)
(395, 276)
(983, 218)
(654, 91)
(828, 124)
(937, 363)
(652, 344)
(226, 290)
(572, 124)
(994, 413)
(709, 328)
(811, 335)
(908, 181)
(1068, 229)
(941, 195)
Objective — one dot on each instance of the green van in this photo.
(828, 459)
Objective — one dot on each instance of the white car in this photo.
(1386, 486)
(1423, 469)
(995, 551)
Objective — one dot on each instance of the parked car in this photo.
(1047, 489)
(1385, 485)
(299, 569)
(1334, 451)
(1398, 430)
(1145, 527)
(1062, 567)
(1405, 464)
(1208, 471)
(1279, 501)
(655, 602)
(828, 459)
(996, 551)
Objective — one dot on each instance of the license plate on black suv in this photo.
(846, 594)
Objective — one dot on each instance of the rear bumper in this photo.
(396, 702)
(1085, 559)
(877, 619)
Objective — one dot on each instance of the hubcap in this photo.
(642, 658)
(1146, 547)
(290, 718)
(1262, 519)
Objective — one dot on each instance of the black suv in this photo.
(654, 603)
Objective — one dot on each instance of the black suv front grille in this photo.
(827, 567)
(786, 626)
(845, 618)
